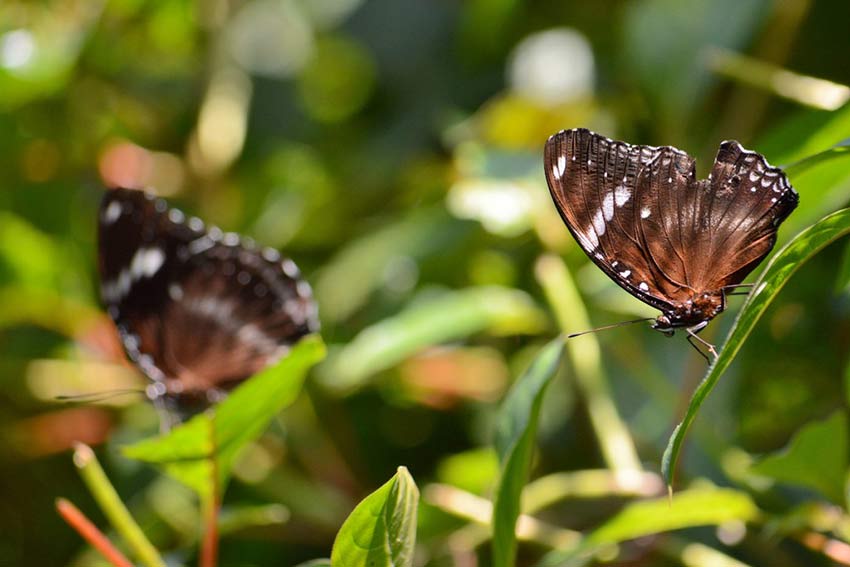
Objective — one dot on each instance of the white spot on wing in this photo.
(176, 216)
(112, 212)
(599, 223)
(201, 244)
(289, 268)
(175, 292)
(625, 273)
(608, 206)
(146, 262)
(644, 212)
(562, 164)
(643, 286)
(621, 195)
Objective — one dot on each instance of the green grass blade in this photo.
(514, 441)
(773, 278)
(690, 508)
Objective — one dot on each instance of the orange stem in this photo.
(83, 526)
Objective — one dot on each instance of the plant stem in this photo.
(109, 501)
(210, 507)
(89, 532)
(616, 444)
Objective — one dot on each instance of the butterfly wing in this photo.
(709, 234)
(595, 183)
(748, 200)
(197, 310)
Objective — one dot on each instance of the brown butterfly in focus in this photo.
(675, 242)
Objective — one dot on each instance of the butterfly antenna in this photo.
(98, 396)
(606, 327)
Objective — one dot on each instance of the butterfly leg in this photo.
(692, 336)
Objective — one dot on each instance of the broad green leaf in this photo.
(816, 457)
(687, 509)
(515, 432)
(185, 452)
(381, 531)
(778, 271)
(449, 316)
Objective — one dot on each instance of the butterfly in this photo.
(675, 242)
(198, 310)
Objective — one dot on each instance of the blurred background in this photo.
(393, 149)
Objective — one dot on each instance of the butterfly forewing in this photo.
(198, 310)
(593, 180)
(671, 240)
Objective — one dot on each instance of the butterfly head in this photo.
(695, 312)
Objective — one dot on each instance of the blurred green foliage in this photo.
(392, 148)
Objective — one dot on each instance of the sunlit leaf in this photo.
(515, 432)
(778, 271)
(184, 452)
(687, 509)
(815, 457)
(381, 531)
(446, 317)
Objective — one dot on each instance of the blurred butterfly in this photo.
(675, 242)
(198, 310)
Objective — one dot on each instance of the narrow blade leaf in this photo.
(778, 271)
(515, 431)
(688, 509)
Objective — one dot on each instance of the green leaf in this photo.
(816, 457)
(449, 316)
(687, 509)
(381, 531)
(780, 268)
(515, 432)
(185, 452)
